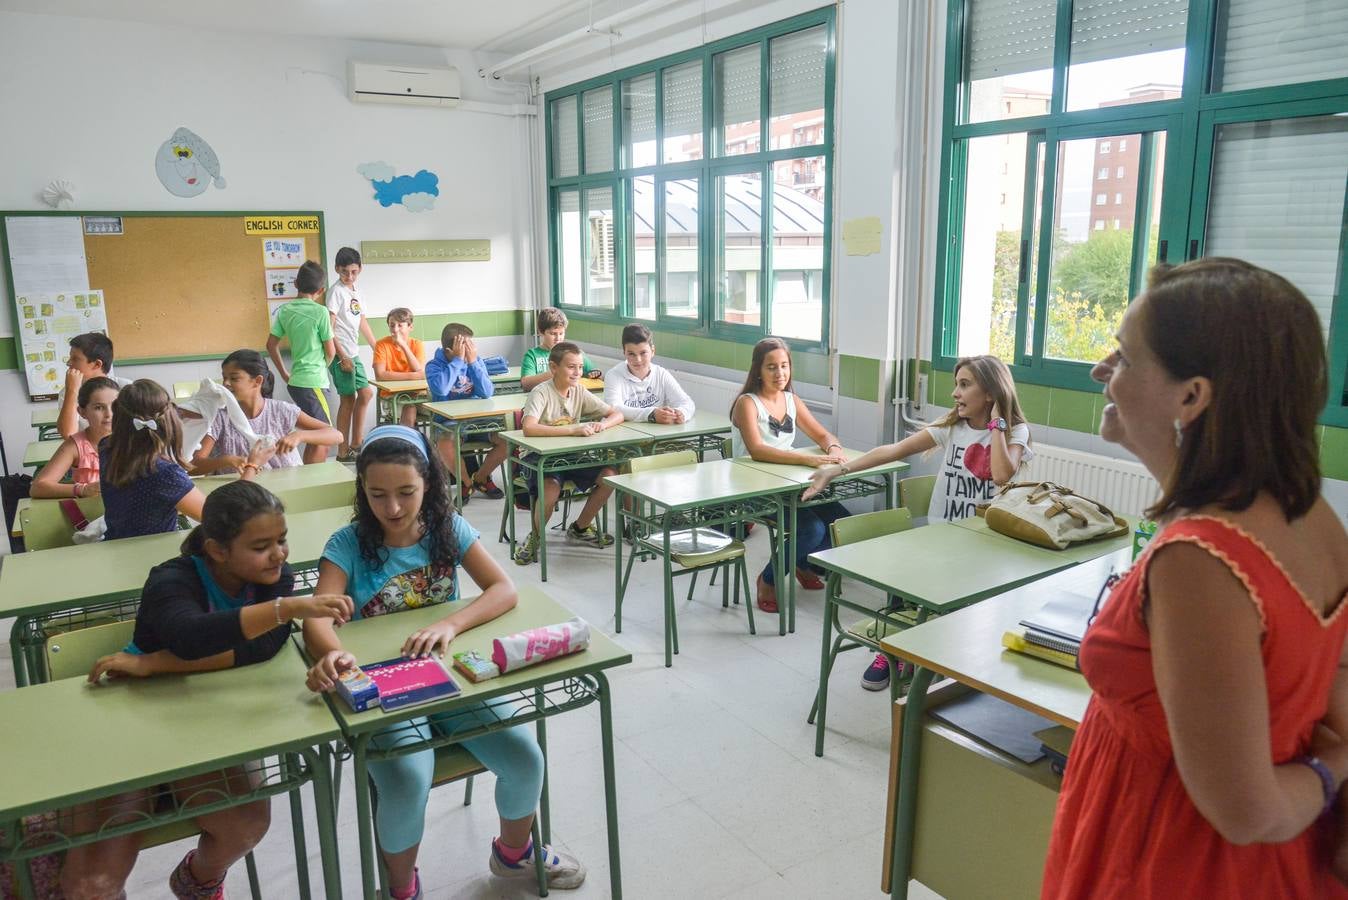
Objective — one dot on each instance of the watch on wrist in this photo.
(998, 424)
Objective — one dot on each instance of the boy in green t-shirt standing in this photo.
(305, 321)
(551, 326)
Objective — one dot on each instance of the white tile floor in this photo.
(719, 791)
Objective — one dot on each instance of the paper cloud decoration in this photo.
(415, 193)
(186, 165)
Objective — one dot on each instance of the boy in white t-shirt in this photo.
(348, 374)
(984, 441)
(641, 390)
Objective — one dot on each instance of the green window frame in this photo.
(704, 172)
(1189, 123)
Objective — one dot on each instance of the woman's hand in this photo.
(434, 638)
(322, 676)
(288, 443)
(121, 665)
(337, 607)
(819, 480)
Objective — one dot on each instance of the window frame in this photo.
(705, 171)
(1190, 123)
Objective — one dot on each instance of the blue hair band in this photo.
(397, 433)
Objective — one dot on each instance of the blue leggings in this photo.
(404, 782)
(811, 532)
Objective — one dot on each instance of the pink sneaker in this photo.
(876, 677)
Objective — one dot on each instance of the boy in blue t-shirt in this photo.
(456, 372)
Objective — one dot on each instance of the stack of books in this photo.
(1055, 632)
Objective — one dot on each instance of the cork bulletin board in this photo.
(177, 286)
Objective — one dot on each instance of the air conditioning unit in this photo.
(416, 85)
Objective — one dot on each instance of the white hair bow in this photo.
(142, 424)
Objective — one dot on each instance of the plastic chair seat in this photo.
(454, 763)
(733, 550)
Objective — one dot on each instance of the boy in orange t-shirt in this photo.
(400, 357)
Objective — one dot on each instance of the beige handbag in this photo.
(1049, 515)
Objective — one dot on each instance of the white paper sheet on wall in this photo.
(48, 321)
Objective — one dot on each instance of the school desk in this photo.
(879, 479)
(705, 431)
(72, 587)
(540, 457)
(300, 488)
(69, 743)
(394, 395)
(529, 695)
(44, 420)
(462, 419)
(718, 493)
(1001, 807)
(38, 453)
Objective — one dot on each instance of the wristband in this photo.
(276, 606)
(249, 465)
(1326, 779)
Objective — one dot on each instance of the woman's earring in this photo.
(1179, 433)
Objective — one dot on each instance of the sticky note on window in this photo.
(861, 237)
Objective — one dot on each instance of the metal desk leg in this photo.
(670, 649)
(291, 764)
(618, 563)
(540, 523)
(17, 654)
(830, 593)
(615, 879)
(510, 501)
(544, 805)
(792, 540)
(325, 813)
(905, 793)
(784, 569)
(369, 866)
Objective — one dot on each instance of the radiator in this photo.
(1124, 486)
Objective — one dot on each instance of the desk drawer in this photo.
(983, 819)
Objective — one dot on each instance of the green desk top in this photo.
(510, 375)
(801, 474)
(941, 565)
(381, 637)
(967, 646)
(293, 478)
(702, 423)
(66, 740)
(45, 416)
(66, 577)
(616, 436)
(684, 487)
(475, 409)
(1075, 553)
(39, 453)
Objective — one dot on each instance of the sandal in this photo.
(767, 596)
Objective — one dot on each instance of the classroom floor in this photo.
(719, 791)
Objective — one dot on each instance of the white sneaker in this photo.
(564, 871)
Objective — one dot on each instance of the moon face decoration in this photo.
(186, 164)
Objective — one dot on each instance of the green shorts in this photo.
(347, 383)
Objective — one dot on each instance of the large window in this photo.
(1088, 140)
(693, 192)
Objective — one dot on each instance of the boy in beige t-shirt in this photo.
(558, 408)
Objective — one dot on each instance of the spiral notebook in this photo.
(1061, 623)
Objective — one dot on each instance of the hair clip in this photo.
(142, 424)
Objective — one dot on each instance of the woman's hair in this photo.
(254, 364)
(90, 385)
(753, 383)
(227, 511)
(437, 512)
(1257, 339)
(992, 375)
(132, 451)
(310, 279)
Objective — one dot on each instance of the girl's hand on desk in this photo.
(323, 674)
(434, 638)
(289, 442)
(337, 607)
(121, 665)
(828, 459)
(819, 480)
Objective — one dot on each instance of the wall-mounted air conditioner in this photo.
(417, 85)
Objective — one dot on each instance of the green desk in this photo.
(720, 493)
(394, 395)
(38, 453)
(530, 695)
(301, 488)
(939, 568)
(44, 420)
(706, 431)
(68, 743)
(68, 587)
(544, 456)
(461, 419)
(1014, 825)
(852, 486)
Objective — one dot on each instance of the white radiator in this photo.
(1124, 486)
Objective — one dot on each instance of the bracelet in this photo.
(834, 444)
(249, 465)
(276, 607)
(1326, 779)
(75, 489)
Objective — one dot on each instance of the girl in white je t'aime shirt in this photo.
(984, 441)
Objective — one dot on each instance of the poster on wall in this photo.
(47, 322)
(283, 252)
(281, 284)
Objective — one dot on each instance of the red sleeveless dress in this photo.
(1125, 826)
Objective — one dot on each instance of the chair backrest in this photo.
(45, 525)
(662, 461)
(75, 652)
(915, 493)
(864, 526)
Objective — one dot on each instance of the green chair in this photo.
(869, 631)
(72, 654)
(720, 559)
(44, 525)
(915, 494)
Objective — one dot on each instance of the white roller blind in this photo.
(565, 141)
(1007, 37)
(1277, 200)
(796, 72)
(1114, 29)
(598, 115)
(683, 99)
(639, 109)
(1268, 42)
(737, 78)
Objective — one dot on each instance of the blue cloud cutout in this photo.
(394, 190)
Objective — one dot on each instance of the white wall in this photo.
(90, 101)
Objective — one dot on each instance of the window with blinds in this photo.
(1125, 51)
(796, 88)
(565, 140)
(638, 121)
(682, 113)
(736, 75)
(1008, 59)
(597, 109)
(1269, 42)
